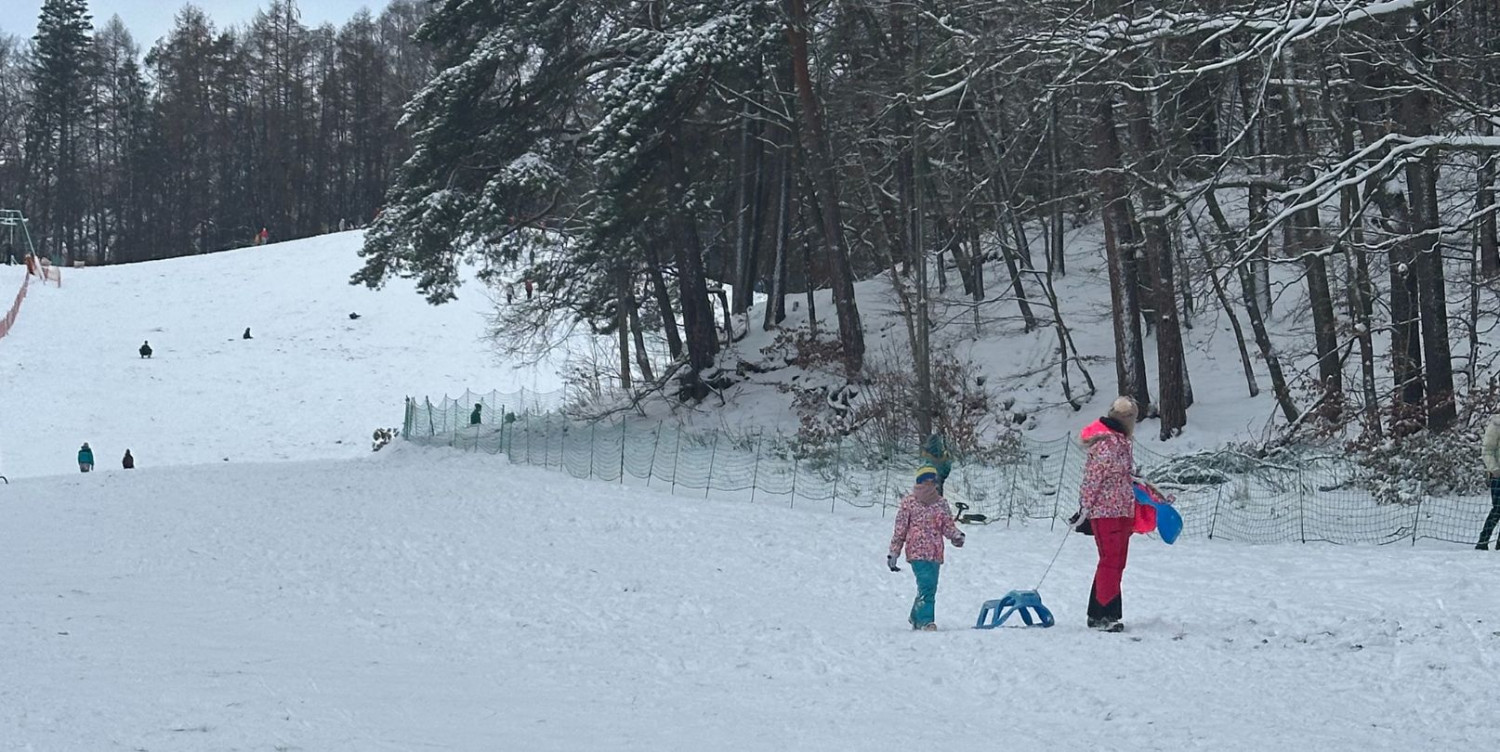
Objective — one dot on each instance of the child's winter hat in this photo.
(926, 473)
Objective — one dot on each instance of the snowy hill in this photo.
(432, 599)
(427, 599)
(1019, 366)
(311, 384)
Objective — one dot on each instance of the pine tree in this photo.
(63, 54)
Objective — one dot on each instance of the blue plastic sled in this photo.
(1168, 521)
(1028, 603)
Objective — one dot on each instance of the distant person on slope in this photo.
(129, 461)
(922, 523)
(935, 453)
(1108, 504)
(1490, 451)
(474, 417)
(85, 458)
(145, 350)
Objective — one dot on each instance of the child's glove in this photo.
(890, 561)
(959, 541)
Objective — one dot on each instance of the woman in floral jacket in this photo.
(1108, 503)
(921, 525)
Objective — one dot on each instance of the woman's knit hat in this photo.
(927, 473)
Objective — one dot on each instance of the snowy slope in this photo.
(310, 384)
(427, 599)
(1021, 366)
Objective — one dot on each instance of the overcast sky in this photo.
(149, 20)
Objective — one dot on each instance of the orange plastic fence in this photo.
(15, 308)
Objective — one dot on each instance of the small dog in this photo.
(145, 349)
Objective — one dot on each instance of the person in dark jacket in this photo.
(145, 350)
(474, 417)
(1489, 451)
(129, 461)
(85, 458)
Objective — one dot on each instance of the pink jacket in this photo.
(921, 526)
(1106, 490)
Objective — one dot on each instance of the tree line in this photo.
(1333, 158)
(207, 137)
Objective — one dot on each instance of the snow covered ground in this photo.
(311, 384)
(428, 599)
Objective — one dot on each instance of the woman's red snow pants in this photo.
(1112, 536)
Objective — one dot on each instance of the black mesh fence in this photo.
(1220, 495)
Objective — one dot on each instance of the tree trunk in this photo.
(1055, 246)
(1257, 319)
(1484, 201)
(1002, 216)
(748, 199)
(623, 306)
(851, 331)
(692, 286)
(642, 358)
(1361, 292)
(1170, 367)
(1484, 23)
(1421, 182)
(776, 291)
(1119, 248)
(663, 300)
(1305, 237)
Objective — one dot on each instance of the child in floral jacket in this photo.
(921, 525)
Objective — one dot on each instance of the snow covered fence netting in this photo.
(1224, 495)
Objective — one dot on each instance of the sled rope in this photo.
(1054, 559)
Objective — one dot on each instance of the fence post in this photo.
(431, 429)
(1213, 521)
(1062, 470)
(707, 484)
(593, 446)
(623, 424)
(651, 470)
(1417, 519)
(838, 473)
(528, 438)
(406, 420)
(796, 463)
(885, 486)
(676, 457)
(755, 473)
(1301, 506)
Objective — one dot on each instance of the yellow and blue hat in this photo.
(926, 473)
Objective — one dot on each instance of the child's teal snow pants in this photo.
(927, 581)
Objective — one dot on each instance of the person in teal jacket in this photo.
(85, 458)
(935, 453)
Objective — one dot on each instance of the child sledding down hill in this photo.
(921, 525)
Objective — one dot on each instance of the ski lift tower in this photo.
(12, 224)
